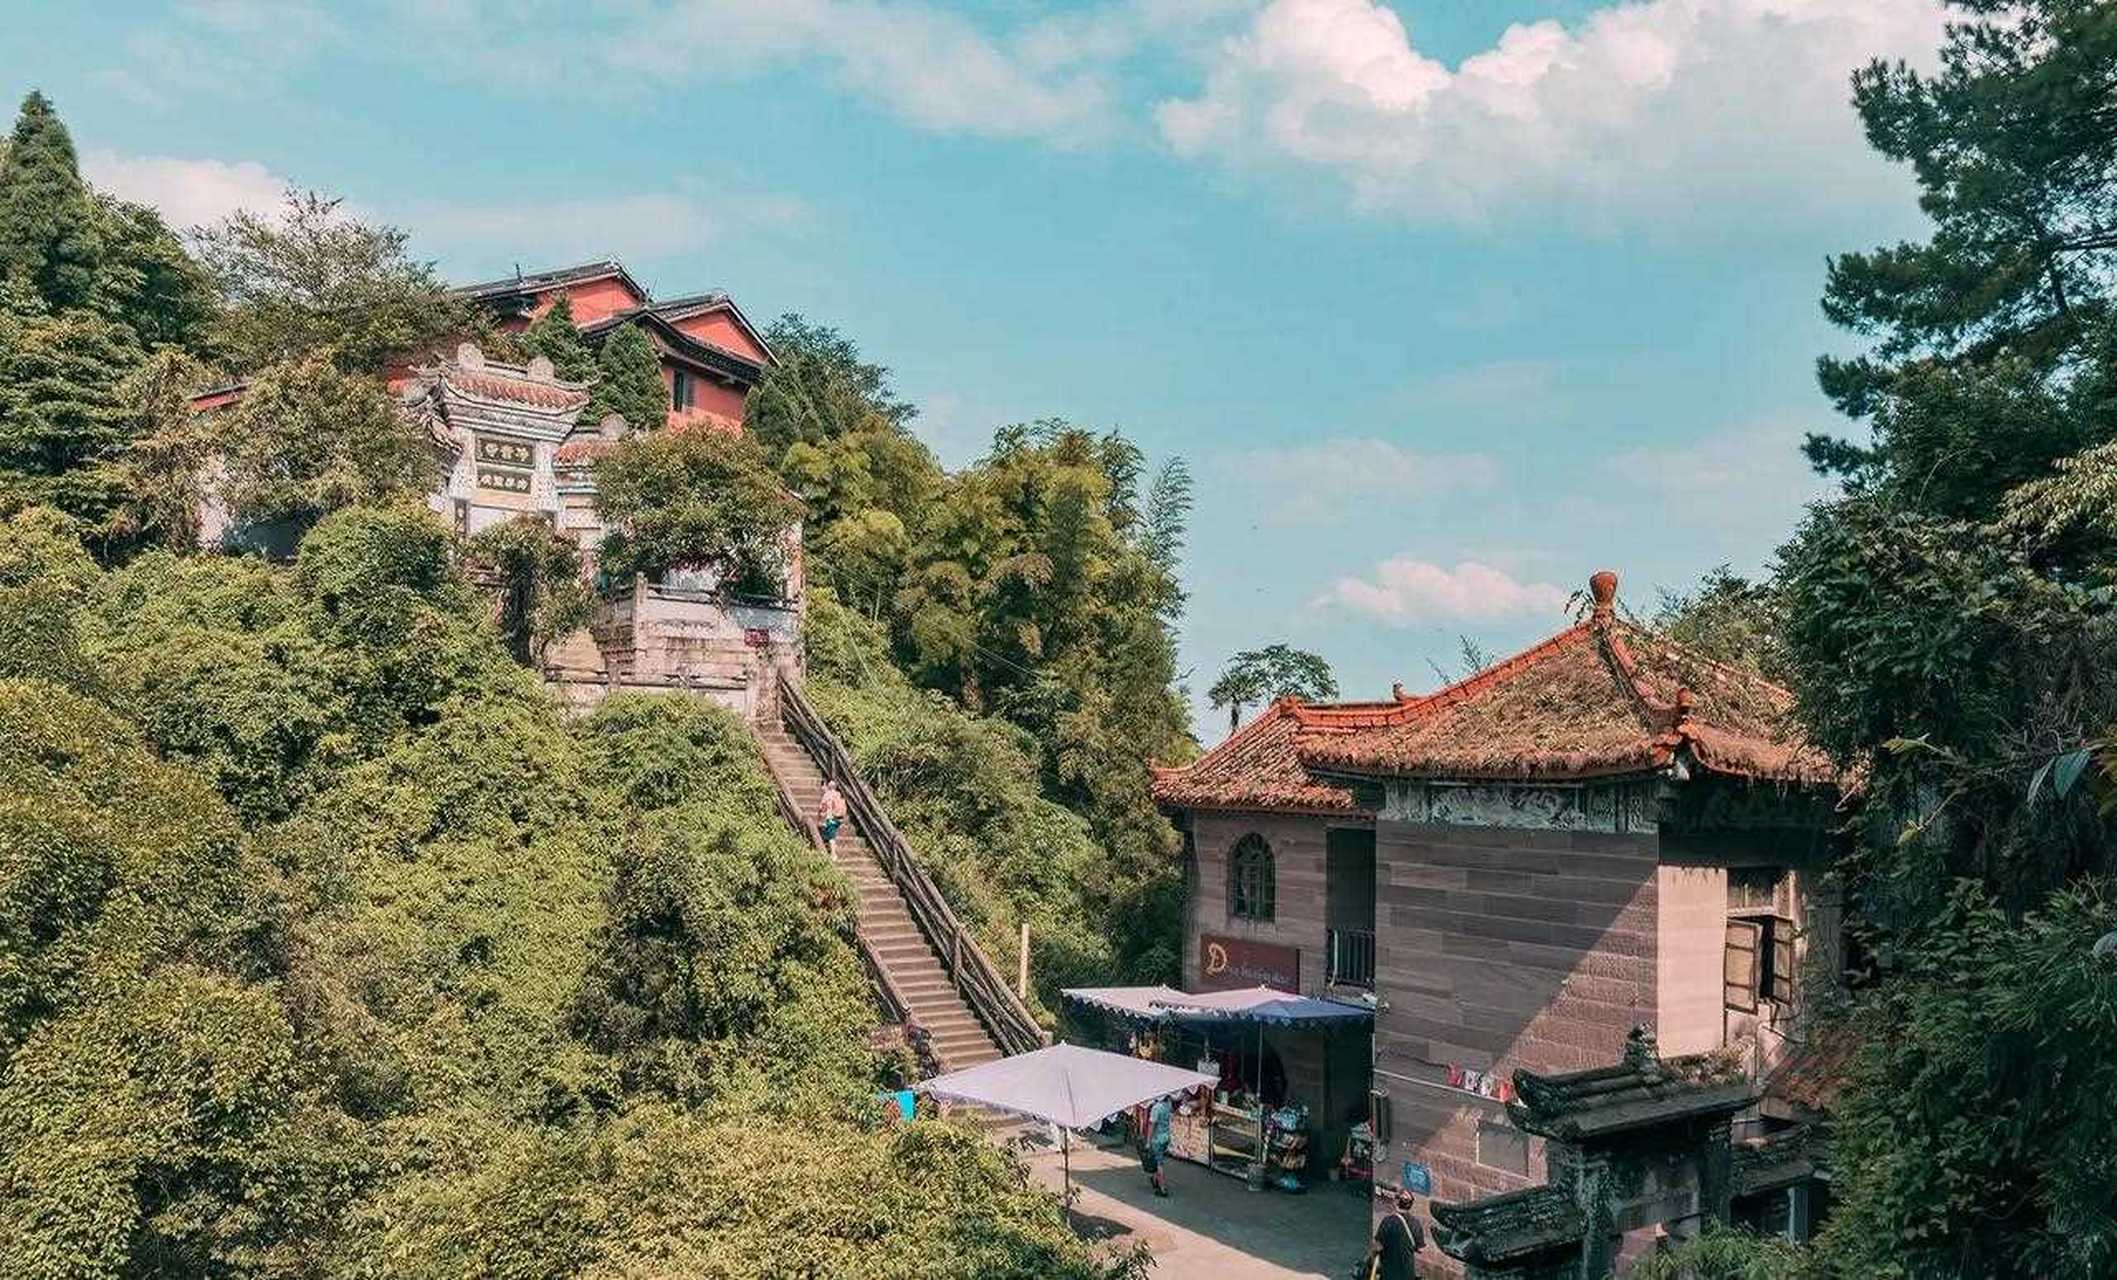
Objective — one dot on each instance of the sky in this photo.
(1446, 303)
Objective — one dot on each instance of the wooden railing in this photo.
(894, 1004)
(976, 979)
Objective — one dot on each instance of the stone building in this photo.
(1600, 832)
(509, 441)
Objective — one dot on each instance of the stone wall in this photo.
(1501, 947)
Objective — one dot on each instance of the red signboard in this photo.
(1227, 963)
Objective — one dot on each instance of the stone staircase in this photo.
(915, 967)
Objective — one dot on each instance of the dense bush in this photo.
(330, 946)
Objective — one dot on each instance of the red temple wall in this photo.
(720, 329)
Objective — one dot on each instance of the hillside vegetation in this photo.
(329, 947)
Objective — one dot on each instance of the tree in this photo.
(554, 336)
(699, 500)
(1947, 624)
(631, 383)
(49, 239)
(313, 281)
(61, 414)
(307, 439)
(1275, 671)
(820, 389)
(172, 451)
(542, 596)
(146, 281)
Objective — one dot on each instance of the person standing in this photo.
(1154, 1153)
(830, 815)
(1393, 1253)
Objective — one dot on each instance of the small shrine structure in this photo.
(1640, 1145)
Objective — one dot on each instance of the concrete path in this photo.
(1211, 1226)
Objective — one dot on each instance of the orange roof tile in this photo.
(1599, 699)
(1254, 768)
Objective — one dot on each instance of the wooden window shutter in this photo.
(1744, 963)
(1782, 965)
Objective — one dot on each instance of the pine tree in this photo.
(48, 223)
(632, 384)
(60, 412)
(554, 336)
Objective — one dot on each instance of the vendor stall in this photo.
(1256, 1125)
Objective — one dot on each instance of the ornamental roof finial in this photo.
(1602, 591)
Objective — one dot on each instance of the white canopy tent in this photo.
(1070, 1086)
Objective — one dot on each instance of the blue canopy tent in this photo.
(1070, 1086)
(1252, 1006)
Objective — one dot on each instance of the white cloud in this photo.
(647, 225)
(189, 193)
(1734, 489)
(1329, 481)
(926, 64)
(1407, 592)
(1650, 109)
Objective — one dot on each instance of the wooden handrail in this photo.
(983, 987)
(893, 1001)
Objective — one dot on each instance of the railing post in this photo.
(955, 955)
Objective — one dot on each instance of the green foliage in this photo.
(61, 415)
(1947, 625)
(1976, 1136)
(1275, 671)
(307, 439)
(554, 336)
(819, 390)
(1728, 619)
(630, 381)
(1720, 1253)
(698, 500)
(173, 450)
(542, 595)
(312, 282)
(49, 239)
(146, 281)
(44, 576)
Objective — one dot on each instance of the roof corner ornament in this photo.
(1602, 592)
(541, 369)
(469, 357)
(1397, 694)
(1642, 1050)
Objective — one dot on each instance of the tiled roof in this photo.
(1257, 766)
(1812, 1076)
(469, 393)
(1498, 1230)
(557, 277)
(1642, 1089)
(710, 356)
(1601, 698)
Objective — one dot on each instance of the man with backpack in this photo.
(1393, 1254)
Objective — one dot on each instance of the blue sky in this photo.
(1447, 302)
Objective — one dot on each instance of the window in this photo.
(682, 391)
(1250, 881)
(1759, 962)
(1502, 1147)
(1760, 939)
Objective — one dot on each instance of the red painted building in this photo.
(711, 354)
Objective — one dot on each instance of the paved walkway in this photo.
(1211, 1226)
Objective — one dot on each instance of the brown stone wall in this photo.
(1297, 855)
(1500, 948)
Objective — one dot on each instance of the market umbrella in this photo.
(1066, 1084)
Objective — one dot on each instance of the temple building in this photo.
(510, 441)
(712, 356)
(1599, 833)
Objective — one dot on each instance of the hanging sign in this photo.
(1418, 1179)
(1225, 964)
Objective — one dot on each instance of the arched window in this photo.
(1250, 880)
